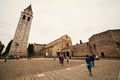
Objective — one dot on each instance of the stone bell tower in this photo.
(20, 40)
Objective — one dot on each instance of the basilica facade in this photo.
(60, 45)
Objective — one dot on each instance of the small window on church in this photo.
(24, 17)
(28, 19)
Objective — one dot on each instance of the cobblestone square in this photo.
(48, 69)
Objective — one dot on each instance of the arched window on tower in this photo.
(94, 46)
(67, 45)
(28, 19)
(24, 17)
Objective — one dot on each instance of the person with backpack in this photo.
(89, 64)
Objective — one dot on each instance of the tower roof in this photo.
(28, 9)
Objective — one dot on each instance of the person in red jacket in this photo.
(62, 60)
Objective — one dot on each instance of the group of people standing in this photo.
(61, 59)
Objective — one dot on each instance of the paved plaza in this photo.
(48, 69)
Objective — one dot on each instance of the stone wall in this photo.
(81, 49)
(38, 48)
(107, 43)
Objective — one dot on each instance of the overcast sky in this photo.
(79, 19)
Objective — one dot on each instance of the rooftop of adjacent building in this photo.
(108, 31)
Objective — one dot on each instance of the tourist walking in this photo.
(89, 64)
(67, 59)
(59, 59)
(62, 60)
(6, 57)
(29, 56)
(54, 58)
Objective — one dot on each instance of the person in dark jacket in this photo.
(92, 59)
(59, 59)
(88, 61)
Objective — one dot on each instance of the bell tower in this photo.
(20, 40)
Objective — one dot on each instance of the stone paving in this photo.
(48, 69)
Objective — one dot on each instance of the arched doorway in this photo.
(67, 54)
(102, 54)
